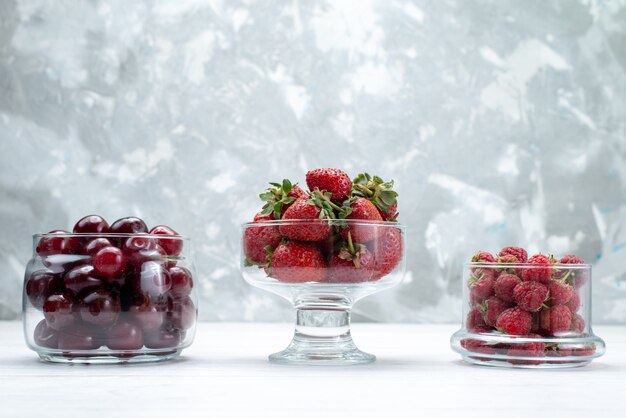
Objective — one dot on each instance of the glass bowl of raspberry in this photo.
(527, 312)
(109, 294)
(331, 265)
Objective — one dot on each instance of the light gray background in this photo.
(502, 122)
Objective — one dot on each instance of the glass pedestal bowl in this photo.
(525, 316)
(323, 279)
(109, 298)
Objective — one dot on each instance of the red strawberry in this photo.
(504, 286)
(492, 308)
(331, 180)
(314, 230)
(387, 250)
(555, 319)
(530, 296)
(483, 257)
(481, 285)
(514, 321)
(279, 197)
(474, 319)
(578, 324)
(363, 210)
(297, 262)
(519, 253)
(574, 303)
(577, 277)
(352, 265)
(560, 294)
(379, 192)
(256, 239)
(540, 269)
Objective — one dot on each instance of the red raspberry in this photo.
(519, 253)
(577, 277)
(530, 296)
(481, 285)
(477, 346)
(578, 324)
(504, 286)
(585, 350)
(555, 319)
(474, 319)
(574, 303)
(540, 269)
(483, 257)
(492, 308)
(528, 349)
(560, 294)
(514, 321)
(510, 259)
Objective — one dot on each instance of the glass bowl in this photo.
(109, 298)
(520, 315)
(323, 279)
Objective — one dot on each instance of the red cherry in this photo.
(129, 225)
(58, 309)
(45, 336)
(172, 244)
(40, 285)
(91, 224)
(163, 338)
(124, 336)
(182, 282)
(55, 242)
(149, 316)
(81, 278)
(109, 262)
(96, 245)
(100, 307)
(80, 337)
(154, 280)
(183, 314)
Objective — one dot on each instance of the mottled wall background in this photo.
(501, 121)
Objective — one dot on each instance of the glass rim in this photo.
(526, 265)
(278, 222)
(109, 234)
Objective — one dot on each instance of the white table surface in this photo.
(226, 373)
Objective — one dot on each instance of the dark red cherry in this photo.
(96, 245)
(45, 336)
(183, 314)
(125, 336)
(100, 307)
(91, 224)
(40, 285)
(129, 225)
(109, 262)
(55, 242)
(82, 279)
(171, 243)
(80, 337)
(58, 309)
(154, 280)
(182, 282)
(148, 315)
(162, 338)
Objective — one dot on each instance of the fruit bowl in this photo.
(527, 315)
(323, 278)
(109, 297)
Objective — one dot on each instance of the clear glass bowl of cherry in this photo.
(116, 293)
